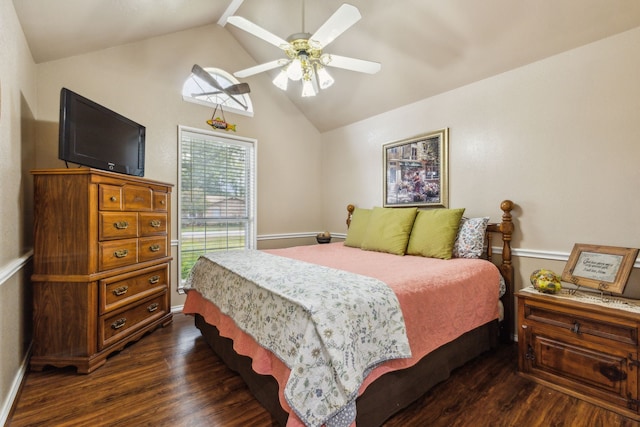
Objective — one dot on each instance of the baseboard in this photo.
(14, 391)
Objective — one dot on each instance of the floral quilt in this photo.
(330, 327)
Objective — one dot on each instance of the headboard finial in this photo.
(350, 209)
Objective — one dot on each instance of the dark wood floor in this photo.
(172, 378)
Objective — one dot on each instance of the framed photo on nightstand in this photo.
(606, 268)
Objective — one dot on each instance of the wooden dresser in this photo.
(581, 347)
(100, 264)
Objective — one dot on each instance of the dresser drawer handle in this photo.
(121, 253)
(121, 225)
(155, 223)
(153, 307)
(119, 323)
(154, 279)
(120, 291)
(113, 198)
(154, 248)
(162, 202)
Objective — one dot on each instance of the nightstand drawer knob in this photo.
(576, 327)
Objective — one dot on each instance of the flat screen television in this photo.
(95, 136)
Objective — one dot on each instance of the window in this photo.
(200, 92)
(216, 194)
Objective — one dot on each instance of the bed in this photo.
(402, 321)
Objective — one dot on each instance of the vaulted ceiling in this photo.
(425, 47)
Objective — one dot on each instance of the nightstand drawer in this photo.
(599, 373)
(115, 327)
(581, 326)
(118, 291)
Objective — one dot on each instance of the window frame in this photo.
(251, 237)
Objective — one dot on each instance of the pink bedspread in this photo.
(440, 301)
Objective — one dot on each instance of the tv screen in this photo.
(95, 136)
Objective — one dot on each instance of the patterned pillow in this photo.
(471, 237)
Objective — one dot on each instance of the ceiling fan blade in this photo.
(204, 75)
(257, 31)
(261, 68)
(338, 23)
(351, 64)
(237, 89)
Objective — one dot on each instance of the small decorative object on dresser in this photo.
(100, 264)
(583, 345)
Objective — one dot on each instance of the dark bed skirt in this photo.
(387, 395)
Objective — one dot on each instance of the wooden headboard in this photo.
(505, 228)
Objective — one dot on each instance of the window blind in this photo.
(216, 194)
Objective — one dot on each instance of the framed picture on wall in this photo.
(606, 268)
(416, 171)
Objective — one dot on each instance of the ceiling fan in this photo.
(306, 59)
(230, 91)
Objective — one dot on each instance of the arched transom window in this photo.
(200, 92)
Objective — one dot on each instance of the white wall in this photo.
(17, 113)
(560, 137)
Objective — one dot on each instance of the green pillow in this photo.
(358, 227)
(389, 230)
(434, 233)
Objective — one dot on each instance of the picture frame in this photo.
(606, 268)
(416, 171)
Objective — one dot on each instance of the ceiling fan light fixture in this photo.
(295, 70)
(307, 88)
(324, 78)
(282, 79)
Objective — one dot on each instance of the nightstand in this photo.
(581, 345)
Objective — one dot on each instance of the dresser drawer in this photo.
(590, 328)
(137, 198)
(152, 248)
(118, 291)
(153, 224)
(110, 197)
(160, 201)
(118, 225)
(114, 327)
(117, 253)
